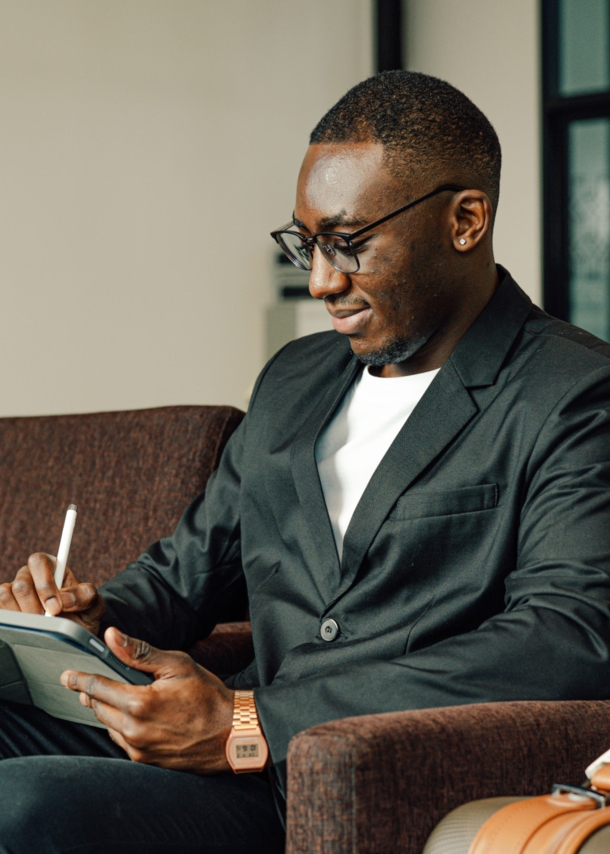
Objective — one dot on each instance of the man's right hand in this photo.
(34, 591)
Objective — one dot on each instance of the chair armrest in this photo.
(227, 650)
(380, 783)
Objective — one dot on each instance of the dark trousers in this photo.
(66, 787)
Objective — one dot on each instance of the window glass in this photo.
(589, 225)
(584, 46)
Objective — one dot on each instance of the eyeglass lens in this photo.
(335, 249)
(296, 249)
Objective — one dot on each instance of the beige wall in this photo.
(147, 147)
(490, 50)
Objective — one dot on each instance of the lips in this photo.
(348, 322)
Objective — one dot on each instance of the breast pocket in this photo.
(468, 499)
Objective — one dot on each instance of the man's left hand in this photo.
(181, 720)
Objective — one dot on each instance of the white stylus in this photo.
(64, 547)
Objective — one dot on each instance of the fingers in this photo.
(24, 591)
(114, 719)
(41, 568)
(123, 709)
(78, 598)
(143, 656)
(84, 605)
(33, 588)
(7, 598)
(34, 591)
(122, 698)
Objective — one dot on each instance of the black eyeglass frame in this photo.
(349, 238)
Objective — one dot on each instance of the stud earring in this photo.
(462, 241)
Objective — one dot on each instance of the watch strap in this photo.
(245, 716)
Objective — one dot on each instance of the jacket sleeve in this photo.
(173, 593)
(552, 640)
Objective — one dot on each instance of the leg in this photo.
(28, 731)
(66, 787)
(56, 804)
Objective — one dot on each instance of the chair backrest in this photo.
(130, 473)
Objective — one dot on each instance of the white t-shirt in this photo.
(355, 441)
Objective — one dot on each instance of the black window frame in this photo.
(388, 35)
(558, 112)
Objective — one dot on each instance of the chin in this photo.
(390, 352)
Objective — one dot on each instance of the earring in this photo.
(463, 241)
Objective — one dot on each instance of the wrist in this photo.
(246, 747)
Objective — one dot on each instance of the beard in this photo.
(394, 351)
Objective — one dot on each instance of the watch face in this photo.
(247, 753)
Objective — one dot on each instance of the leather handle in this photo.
(510, 829)
(570, 839)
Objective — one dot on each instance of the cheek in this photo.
(386, 265)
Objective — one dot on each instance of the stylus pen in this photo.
(64, 547)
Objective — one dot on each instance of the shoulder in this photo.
(553, 339)
(316, 354)
(557, 366)
(302, 377)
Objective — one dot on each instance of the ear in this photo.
(471, 219)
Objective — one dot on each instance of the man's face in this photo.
(403, 296)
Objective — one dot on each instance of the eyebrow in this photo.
(334, 221)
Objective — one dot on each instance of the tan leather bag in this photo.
(558, 823)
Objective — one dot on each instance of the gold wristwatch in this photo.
(246, 746)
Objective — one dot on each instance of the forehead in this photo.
(347, 180)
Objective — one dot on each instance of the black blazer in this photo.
(475, 567)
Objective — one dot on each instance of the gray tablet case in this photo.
(34, 652)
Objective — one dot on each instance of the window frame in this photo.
(558, 112)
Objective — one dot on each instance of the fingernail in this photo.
(52, 605)
(123, 639)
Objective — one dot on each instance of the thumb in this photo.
(141, 655)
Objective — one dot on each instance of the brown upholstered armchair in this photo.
(367, 785)
(131, 473)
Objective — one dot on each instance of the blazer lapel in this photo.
(307, 480)
(441, 414)
(430, 428)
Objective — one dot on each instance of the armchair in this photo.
(131, 473)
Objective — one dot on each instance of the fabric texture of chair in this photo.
(130, 473)
(227, 650)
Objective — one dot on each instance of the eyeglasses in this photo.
(338, 249)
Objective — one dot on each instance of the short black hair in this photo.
(421, 121)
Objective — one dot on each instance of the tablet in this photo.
(34, 652)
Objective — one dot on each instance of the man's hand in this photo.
(34, 591)
(181, 720)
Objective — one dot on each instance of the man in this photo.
(419, 505)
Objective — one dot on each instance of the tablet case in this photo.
(34, 652)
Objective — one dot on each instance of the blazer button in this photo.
(329, 630)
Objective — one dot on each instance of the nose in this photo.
(324, 279)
